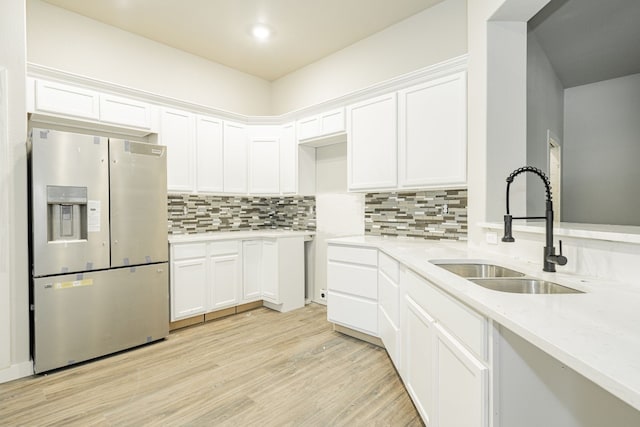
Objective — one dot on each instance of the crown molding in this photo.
(421, 75)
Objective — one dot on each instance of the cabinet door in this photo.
(224, 280)
(433, 138)
(418, 340)
(251, 270)
(462, 390)
(372, 147)
(264, 165)
(124, 111)
(270, 271)
(188, 288)
(308, 127)
(209, 155)
(235, 158)
(288, 159)
(176, 133)
(67, 100)
(332, 121)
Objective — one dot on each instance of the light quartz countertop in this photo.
(596, 333)
(237, 235)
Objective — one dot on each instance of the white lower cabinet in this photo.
(388, 307)
(251, 274)
(189, 287)
(273, 271)
(224, 275)
(444, 375)
(418, 350)
(352, 285)
(461, 384)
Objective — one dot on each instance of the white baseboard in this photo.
(15, 371)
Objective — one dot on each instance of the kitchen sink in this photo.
(502, 279)
(473, 270)
(524, 285)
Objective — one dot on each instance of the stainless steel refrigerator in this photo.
(98, 246)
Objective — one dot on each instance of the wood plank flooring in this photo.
(259, 368)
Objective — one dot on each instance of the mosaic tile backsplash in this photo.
(417, 214)
(197, 213)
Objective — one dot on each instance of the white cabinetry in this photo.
(67, 100)
(123, 111)
(432, 146)
(251, 274)
(62, 101)
(352, 284)
(273, 271)
(444, 346)
(205, 276)
(235, 158)
(177, 133)
(288, 159)
(372, 143)
(224, 274)
(188, 280)
(389, 306)
(323, 125)
(264, 165)
(209, 155)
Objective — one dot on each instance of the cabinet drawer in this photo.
(353, 312)
(359, 280)
(189, 250)
(366, 256)
(389, 298)
(389, 266)
(466, 324)
(224, 248)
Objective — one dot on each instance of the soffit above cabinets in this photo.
(304, 31)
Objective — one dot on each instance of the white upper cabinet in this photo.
(432, 146)
(288, 159)
(125, 111)
(67, 100)
(177, 134)
(323, 125)
(209, 155)
(372, 145)
(235, 157)
(264, 165)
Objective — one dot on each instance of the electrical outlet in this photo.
(323, 295)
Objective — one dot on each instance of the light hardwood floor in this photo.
(259, 368)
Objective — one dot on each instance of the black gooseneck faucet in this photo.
(550, 258)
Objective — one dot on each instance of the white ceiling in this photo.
(588, 41)
(304, 30)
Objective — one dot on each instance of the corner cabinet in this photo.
(432, 144)
(209, 155)
(235, 158)
(372, 143)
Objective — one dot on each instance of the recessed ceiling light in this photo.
(261, 32)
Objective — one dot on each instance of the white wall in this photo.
(14, 285)
(545, 111)
(70, 42)
(429, 37)
(338, 213)
(601, 152)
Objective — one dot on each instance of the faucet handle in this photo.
(560, 259)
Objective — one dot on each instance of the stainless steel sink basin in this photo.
(523, 285)
(478, 270)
